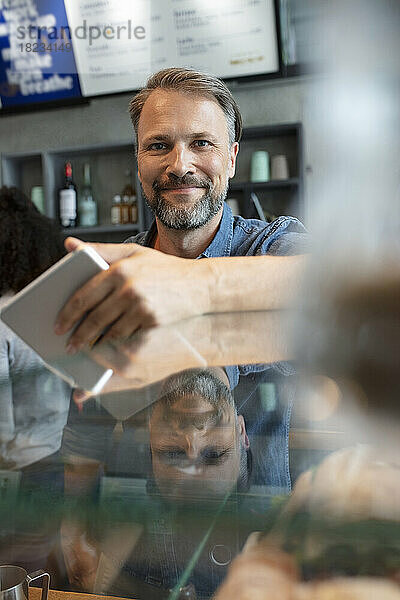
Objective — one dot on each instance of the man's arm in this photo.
(253, 282)
(144, 288)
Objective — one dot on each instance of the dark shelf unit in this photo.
(276, 196)
(23, 170)
(109, 162)
(108, 165)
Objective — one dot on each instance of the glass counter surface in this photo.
(214, 463)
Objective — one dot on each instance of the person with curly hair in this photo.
(33, 402)
(29, 241)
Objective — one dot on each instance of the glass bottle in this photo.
(87, 204)
(129, 198)
(125, 210)
(134, 209)
(116, 210)
(128, 190)
(67, 199)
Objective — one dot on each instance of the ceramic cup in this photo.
(259, 170)
(37, 197)
(279, 167)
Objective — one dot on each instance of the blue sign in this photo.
(37, 62)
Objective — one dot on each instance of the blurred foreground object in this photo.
(342, 519)
(351, 316)
(338, 537)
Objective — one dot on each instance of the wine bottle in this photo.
(87, 204)
(67, 199)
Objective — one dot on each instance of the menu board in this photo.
(229, 38)
(112, 43)
(51, 49)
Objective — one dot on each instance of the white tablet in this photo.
(32, 313)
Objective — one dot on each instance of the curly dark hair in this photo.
(29, 242)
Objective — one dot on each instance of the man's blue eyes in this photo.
(157, 146)
(162, 146)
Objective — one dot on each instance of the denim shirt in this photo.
(237, 236)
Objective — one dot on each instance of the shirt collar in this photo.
(221, 245)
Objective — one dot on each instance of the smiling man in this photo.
(186, 155)
(188, 128)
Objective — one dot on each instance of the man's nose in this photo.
(180, 161)
(192, 443)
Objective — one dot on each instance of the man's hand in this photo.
(142, 288)
(148, 357)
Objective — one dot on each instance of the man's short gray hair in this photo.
(189, 81)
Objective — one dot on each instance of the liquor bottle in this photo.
(87, 204)
(125, 210)
(128, 189)
(134, 209)
(67, 199)
(129, 198)
(116, 210)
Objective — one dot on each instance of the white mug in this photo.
(279, 167)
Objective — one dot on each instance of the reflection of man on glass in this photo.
(197, 437)
(200, 455)
(199, 451)
(199, 444)
(192, 447)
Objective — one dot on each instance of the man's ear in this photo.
(243, 433)
(232, 159)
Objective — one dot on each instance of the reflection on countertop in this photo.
(194, 444)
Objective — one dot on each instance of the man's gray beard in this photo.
(187, 217)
